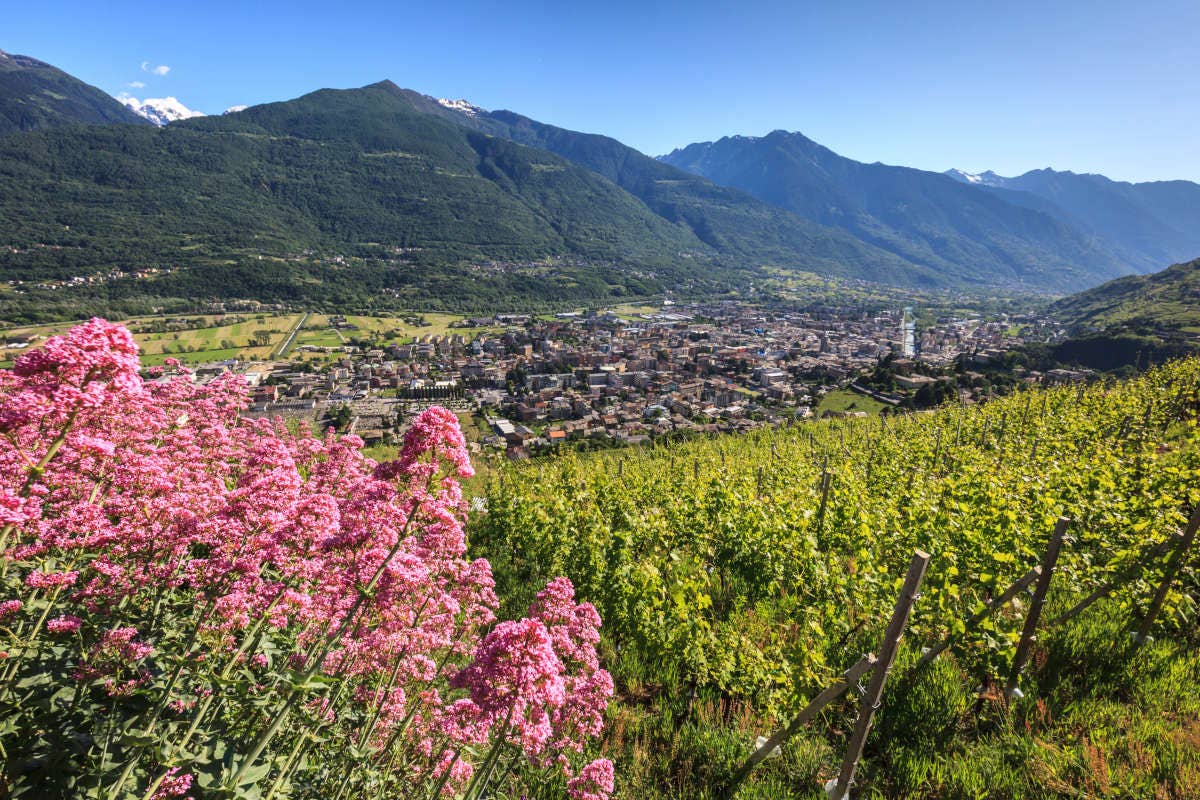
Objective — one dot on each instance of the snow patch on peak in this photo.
(987, 178)
(965, 177)
(159, 110)
(461, 106)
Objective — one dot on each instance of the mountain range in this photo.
(1148, 225)
(383, 192)
(1046, 229)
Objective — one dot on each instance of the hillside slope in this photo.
(350, 195)
(1164, 301)
(737, 576)
(35, 95)
(259, 203)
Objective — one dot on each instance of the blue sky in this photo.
(1090, 86)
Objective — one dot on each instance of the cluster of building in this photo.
(601, 378)
(93, 279)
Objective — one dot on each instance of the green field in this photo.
(253, 337)
(634, 309)
(204, 344)
(843, 400)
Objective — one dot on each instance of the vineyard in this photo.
(738, 577)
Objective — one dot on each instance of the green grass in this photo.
(634, 309)
(843, 400)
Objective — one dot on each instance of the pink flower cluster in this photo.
(539, 679)
(121, 498)
(594, 782)
(174, 785)
(67, 623)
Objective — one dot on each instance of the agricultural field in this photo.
(207, 338)
(256, 337)
(738, 577)
(392, 329)
(217, 339)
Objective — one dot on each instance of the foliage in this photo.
(336, 197)
(368, 198)
(196, 604)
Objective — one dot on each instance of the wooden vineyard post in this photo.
(887, 655)
(620, 468)
(1029, 632)
(1173, 566)
(827, 696)
(695, 469)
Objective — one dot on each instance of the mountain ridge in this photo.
(723, 218)
(924, 217)
(1152, 224)
(382, 170)
(35, 95)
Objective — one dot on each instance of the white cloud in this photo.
(161, 69)
(136, 85)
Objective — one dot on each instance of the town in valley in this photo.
(530, 384)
